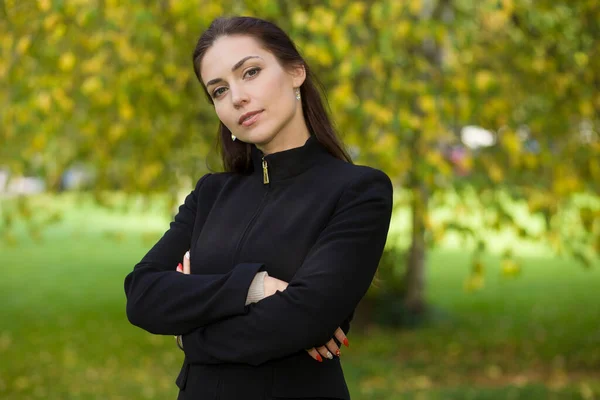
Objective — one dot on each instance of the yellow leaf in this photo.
(66, 61)
(434, 158)
(512, 142)
(93, 65)
(91, 84)
(530, 160)
(299, 18)
(402, 29)
(355, 12)
(586, 108)
(23, 44)
(345, 69)
(104, 97)
(170, 69)
(149, 172)
(581, 59)
(126, 111)
(466, 162)
(483, 80)
(327, 19)
(50, 21)
(324, 58)
(39, 142)
(44, 101)
(384, 116)
(181, 27)
(415, 7)
(115, 132)
(496, 20)
(65, 102)
(566, 185)
(44, 5)
(495, 172)
(427, 103)
(57, 33)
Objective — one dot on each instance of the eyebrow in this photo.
(236, 66)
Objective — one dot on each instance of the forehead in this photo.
(226, 51)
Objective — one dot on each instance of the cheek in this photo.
(280, 97)
(223, 115)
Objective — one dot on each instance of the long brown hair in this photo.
(236, 154)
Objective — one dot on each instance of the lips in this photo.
(248, 115)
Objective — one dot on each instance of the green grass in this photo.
(537, 336)
(64, 334)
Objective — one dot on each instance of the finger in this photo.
(341, 337)
(324, 351)
(186, 263)
(333, 347)
(179, 268)
(314, 354)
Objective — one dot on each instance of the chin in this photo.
(258, 138)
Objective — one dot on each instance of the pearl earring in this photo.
(298, 94)
(233, 137)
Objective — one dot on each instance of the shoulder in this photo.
(212, 181)
(209, 186)
(370, 183)
(358, 183)
(356, 177)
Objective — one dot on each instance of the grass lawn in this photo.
(64, 334)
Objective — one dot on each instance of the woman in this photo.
(282, 246)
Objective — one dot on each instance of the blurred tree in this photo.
(110, 83)
(410, 75)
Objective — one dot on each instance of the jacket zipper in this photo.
(265, 171)
(256, 213)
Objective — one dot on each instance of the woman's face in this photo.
(252, 93)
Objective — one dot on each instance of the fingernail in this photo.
(338, 353)
(346, 343)
(319, 359)
(179, 266)
(187, 255)
(329, 355)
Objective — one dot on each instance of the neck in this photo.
(295, 134)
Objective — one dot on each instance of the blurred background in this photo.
(485, 114)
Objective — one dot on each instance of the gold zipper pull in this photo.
(265, 171)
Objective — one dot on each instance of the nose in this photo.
(238, 96)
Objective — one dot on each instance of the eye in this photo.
(218, 92)
(252, 72)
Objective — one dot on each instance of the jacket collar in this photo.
(289, 163)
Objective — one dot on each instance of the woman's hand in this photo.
(272, 286)
(330, 348)
(185, 268)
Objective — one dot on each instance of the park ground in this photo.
(64, 333)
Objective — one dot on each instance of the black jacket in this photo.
(319, 224)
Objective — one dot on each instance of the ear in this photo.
(298, 73)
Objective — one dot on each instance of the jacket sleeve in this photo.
(325, 290)
(164, 301)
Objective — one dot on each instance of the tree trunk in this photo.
(414, 300)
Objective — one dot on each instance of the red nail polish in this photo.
(319, 358)
(179, 266)
(337, 352)
(346, 342)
